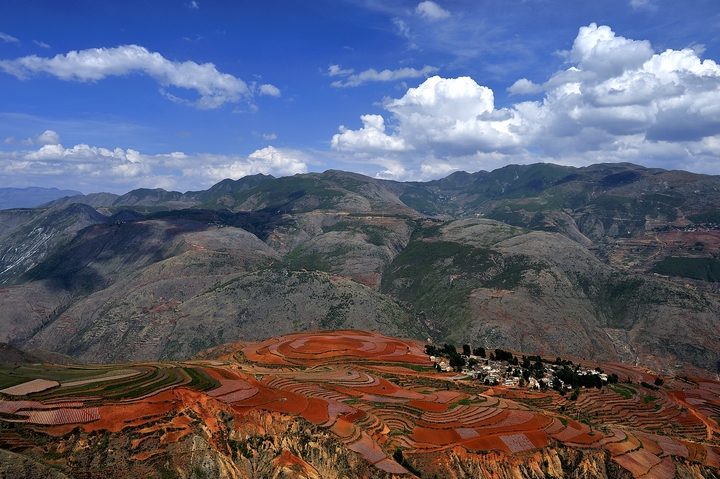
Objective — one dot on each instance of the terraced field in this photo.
(374, 395)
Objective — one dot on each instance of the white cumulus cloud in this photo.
(48, 137)
(431, 11)
(269, 90)
(372, 75)
(619, 100)
(335, 70)
(268, 160)
(446, 116)
(371, 137)
(214, 87)
(92, 169)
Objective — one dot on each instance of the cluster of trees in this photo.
(658, 382)
(457, 362)
(449, 351)
(568, 376)
(531, 366)
(467, 351)
(444, 350)
(536, 369)
(502, 355)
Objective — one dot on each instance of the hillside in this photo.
(336, 404)
(12, 355)
(611, 262)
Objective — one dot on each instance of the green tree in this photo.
(526, 362)
(457, 362)
(431, 350)
(575, 394)
(479, 352)
(539, 366)
(449, 349)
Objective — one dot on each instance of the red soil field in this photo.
(288, 402)
(554, 427)
(573, 430)
(638, 462)
(316, 411)
(428, 406)
(343, 428)
(649, 445)
(383, 388)
(357, 386)
(435, 436)
(368, 449)
(713, 456)
(664, 470)
(697, 452)
(322, 346)
(492, 443)
(539, 439)
(262, 397)
(517, 442)
(228, 386)
(629, 444)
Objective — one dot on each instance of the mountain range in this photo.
(31, 196)
(611, 262)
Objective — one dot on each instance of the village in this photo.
(503, 368)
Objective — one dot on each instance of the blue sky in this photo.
(111, 96)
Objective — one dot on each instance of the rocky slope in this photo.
(488, 283)
(280, 446)
(29, 236)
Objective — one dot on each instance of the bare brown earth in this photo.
(341, 404)
(641, 253)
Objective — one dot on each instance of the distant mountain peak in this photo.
(31, 196)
